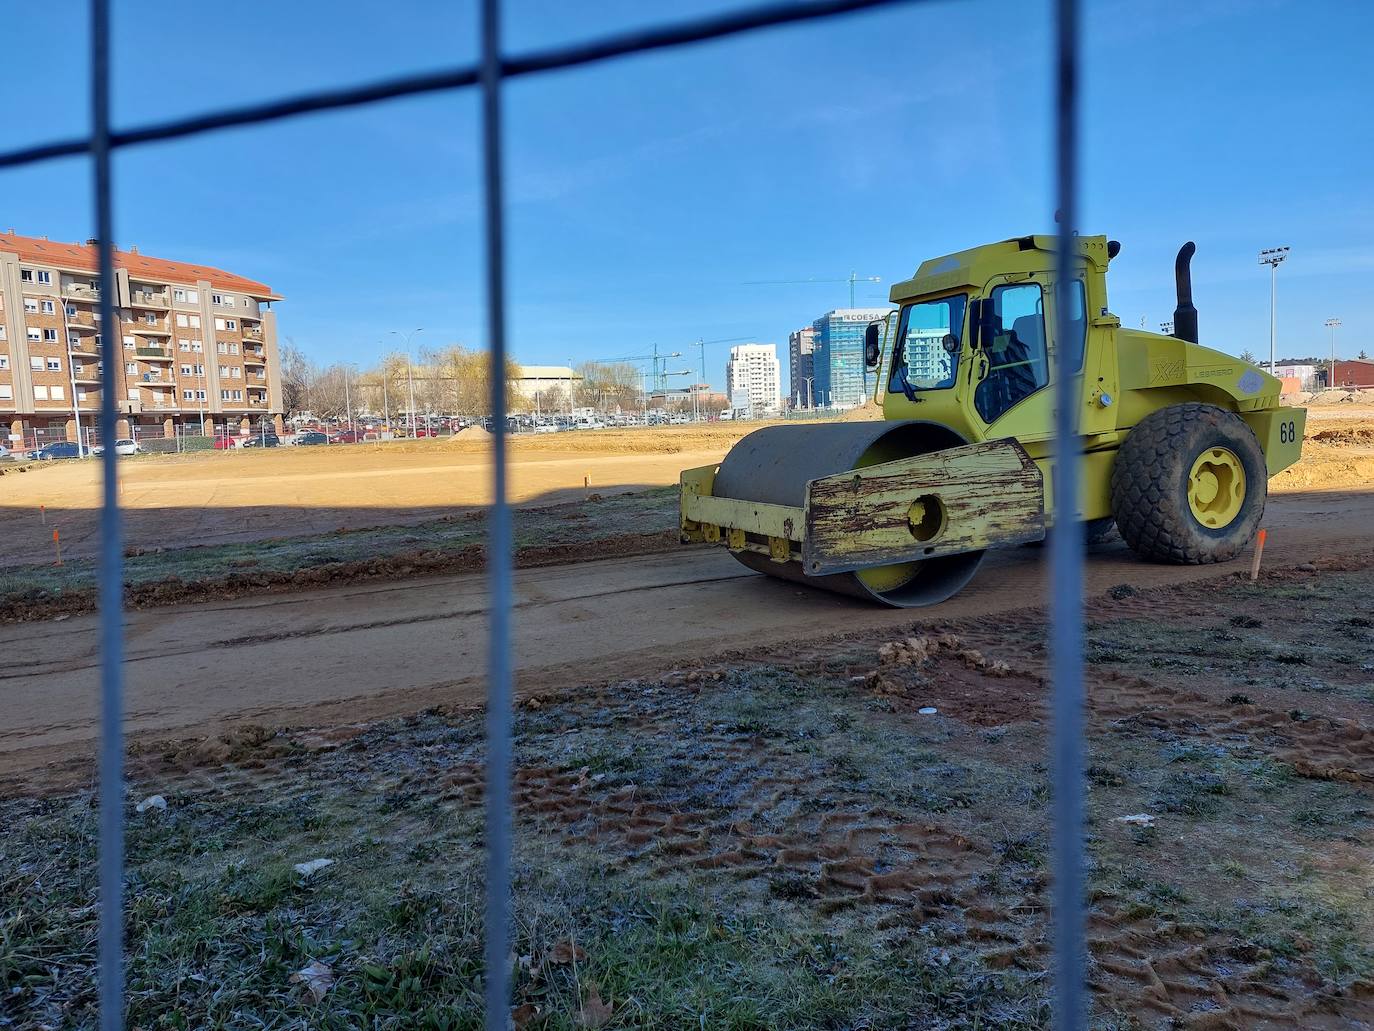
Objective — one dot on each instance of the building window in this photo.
(195, 322)
(57, 393)
(238, 395)
(197, 346)
(132, 394)
(49, 308)
(34, 335)
(73, 340)
(200, 395)
(71, 311)
(224, 395)
(4, 361)
(2, 332)
(128, 342)
(54, 364)
(219, 324)
(217, 298)
(131, 369)
(233, 347)
(50, 335)
(236, 373)
(221, 347)
(44, 277)
(200, 370)
(186, 370)
(6, 392)
(26, 275)
(224, 371)
(30, 305)
(183, 320)
(189, 296)
(151, 319)
(36, 364)
(40, 393)
(231, 324)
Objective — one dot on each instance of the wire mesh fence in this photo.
(489, 75)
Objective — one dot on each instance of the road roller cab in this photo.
(1177, 440)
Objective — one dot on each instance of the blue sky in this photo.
(645, 194)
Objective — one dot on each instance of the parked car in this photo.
(123, 446)
(268, 439)
(223, 442)
(57, 449)
(4, 451)
(346, 437)
(310, 437)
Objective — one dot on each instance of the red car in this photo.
(223, 443)
(346, 437)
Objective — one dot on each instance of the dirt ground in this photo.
(211, 498)
(847, 832)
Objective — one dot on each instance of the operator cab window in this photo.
(927, 353)
(1018, 363)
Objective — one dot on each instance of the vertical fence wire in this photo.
(111, 562)
(1066, 553)
(499, 820)
(1066, 546)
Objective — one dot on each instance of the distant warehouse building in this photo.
(533, 380)
(1355, 373)
(839, 355)
(198, 345)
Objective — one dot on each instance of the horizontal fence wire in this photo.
(571, 56)
(489, 73)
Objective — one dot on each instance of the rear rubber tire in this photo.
(1150, 485)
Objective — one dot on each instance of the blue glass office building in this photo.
(839, 355)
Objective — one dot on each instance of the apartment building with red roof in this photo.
(198, 345)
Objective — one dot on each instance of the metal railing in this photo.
(489, 75)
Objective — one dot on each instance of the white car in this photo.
(123, 446)
(4, 451)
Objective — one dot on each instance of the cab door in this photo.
(1014, 358)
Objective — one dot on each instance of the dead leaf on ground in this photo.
(594, 1012)
(523, 1016)
(565, 952)
(317, 977)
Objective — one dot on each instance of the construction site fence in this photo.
(488, 76)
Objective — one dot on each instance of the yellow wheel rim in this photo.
(888, 578)
(1216, 488)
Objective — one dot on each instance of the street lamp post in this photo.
(810, 401)
(1331, 324)
(1273, 257)
(348, 399)
(410, 379)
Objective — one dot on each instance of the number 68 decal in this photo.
(1288, 432)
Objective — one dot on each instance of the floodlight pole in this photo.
(1273, 257)
(1331, 324)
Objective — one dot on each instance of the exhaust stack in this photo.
(1185, 315)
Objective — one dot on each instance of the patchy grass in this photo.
(776, 842)
(623, 523)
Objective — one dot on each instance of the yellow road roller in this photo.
(1178, 440)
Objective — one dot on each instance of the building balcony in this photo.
(153, 329)
(78, 292)
(79, 324)
(161, 383)
(252, 334)
(249, 358)
(153, 354)
(148, 299)
(91, 376)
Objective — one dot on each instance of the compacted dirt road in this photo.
(352, 653)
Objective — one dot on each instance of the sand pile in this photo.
(471, 435)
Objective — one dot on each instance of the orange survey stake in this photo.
(57, 546)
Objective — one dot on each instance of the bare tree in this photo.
(295, 378)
